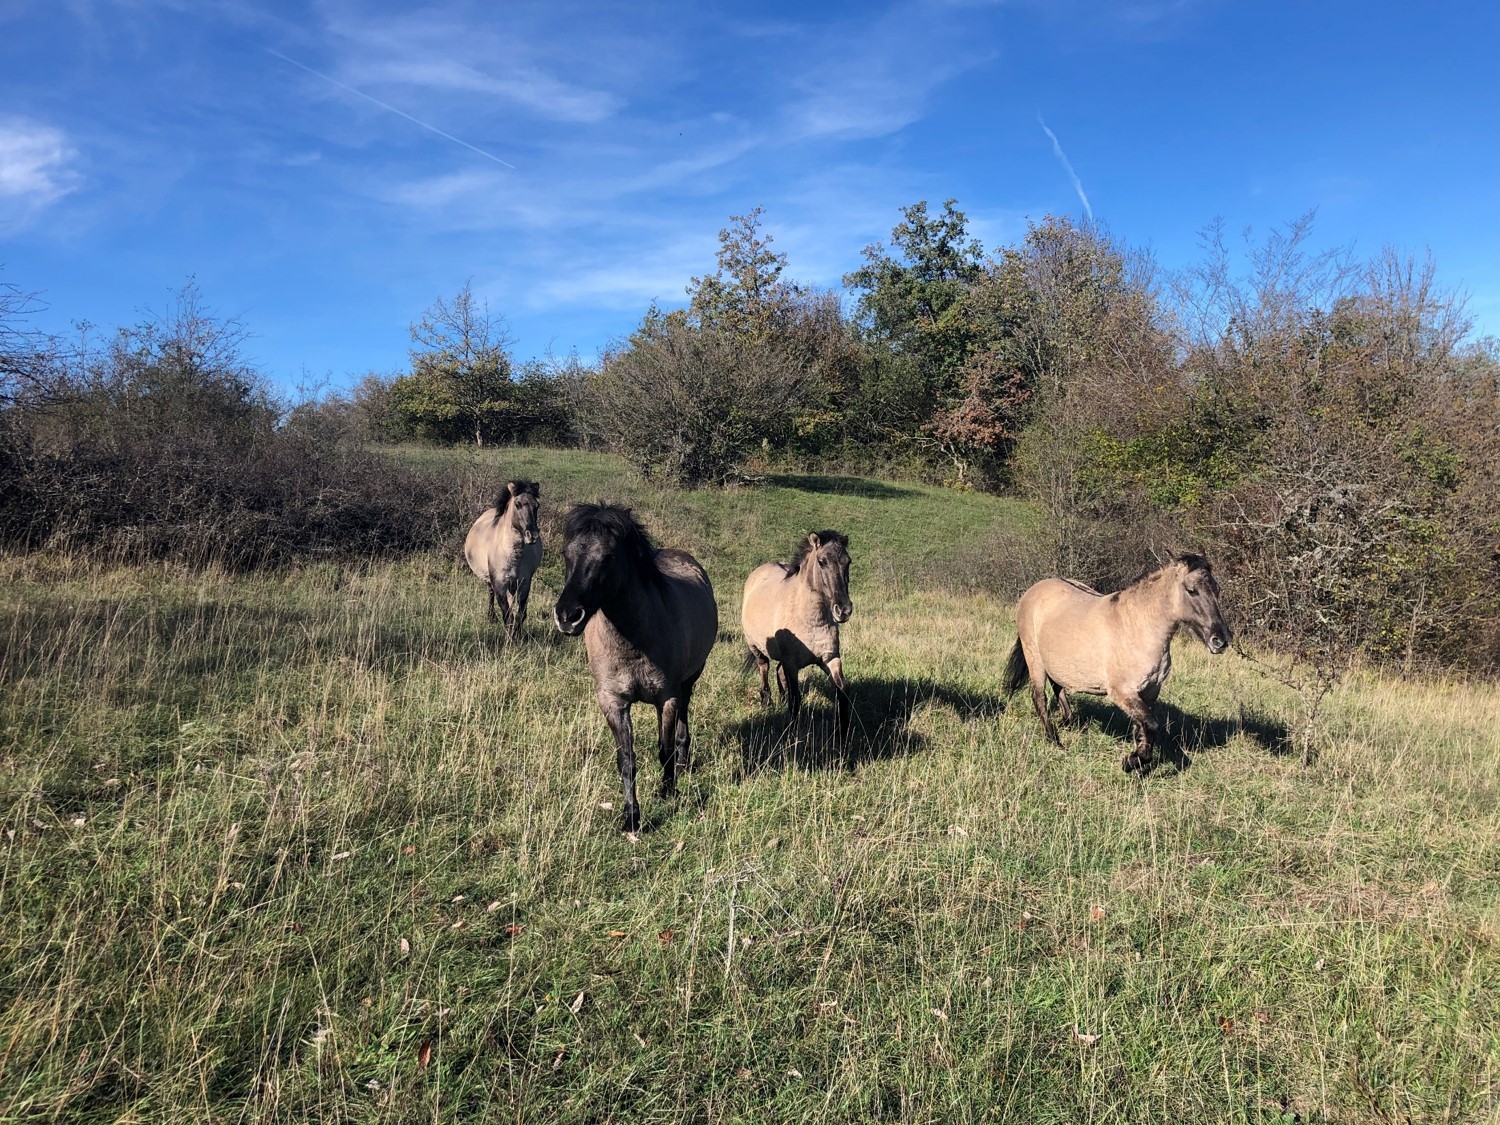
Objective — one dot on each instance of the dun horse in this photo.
(1117, 645)
(504, 550)
(791, 614)
(648, 620)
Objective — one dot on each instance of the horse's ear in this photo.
(510, 486)
(535, 489)
(813, 540)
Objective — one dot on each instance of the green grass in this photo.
(271, 842)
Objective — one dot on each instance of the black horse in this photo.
(648, 620)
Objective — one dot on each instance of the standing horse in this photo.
(791, 614)
(648, 619)
(504, 549)
(1117, 645)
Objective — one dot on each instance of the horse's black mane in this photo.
(502, 501)
(616, 523)
(1191, 561)
(805, 548)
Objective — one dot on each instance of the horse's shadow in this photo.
(838, 486)
(1183, 734)
(880, 730)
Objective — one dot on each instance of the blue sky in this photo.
(325, 170)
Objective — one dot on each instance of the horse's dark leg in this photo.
(488, 586)
(764, 664)
(781, 681)
(617, 714)
(835, 670)
(683, 738)
(1039, 701)
(1063, 705)
(792, 688)
(1143, 727)
(523, 595)
(666, 744)
(513, 601)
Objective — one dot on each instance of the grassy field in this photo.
(321, 846)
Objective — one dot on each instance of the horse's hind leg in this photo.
(763, 663)
(1039, 701)
(491, 589)
(1064, 707)
(666, 744)
(676, 739)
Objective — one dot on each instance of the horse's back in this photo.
(477, 544)
(1061, 624)
(692, 604)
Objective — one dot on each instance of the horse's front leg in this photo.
(514, 611)
(787, 678)
(835, 670)
(491, 588)
(617, 714)
(523, 595)
(1144, 730)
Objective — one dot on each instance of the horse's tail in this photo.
(1016, 672)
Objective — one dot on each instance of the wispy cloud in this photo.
(390, 108)
(1057, 151)
(877, 80)
(37, 168)
(523, 85)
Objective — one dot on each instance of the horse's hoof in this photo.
(765, 699)
(1133, 762)
(632, 822)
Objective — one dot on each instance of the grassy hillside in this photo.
(321, 846)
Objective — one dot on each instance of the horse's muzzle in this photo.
(571, 624)
(842, 613)
(1217, 643)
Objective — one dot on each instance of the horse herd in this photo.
(649, 620)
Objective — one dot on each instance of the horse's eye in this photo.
(1192, 590)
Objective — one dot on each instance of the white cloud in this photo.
(36, 167)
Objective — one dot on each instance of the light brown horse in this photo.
(791, 614)
(504, 549)
(648, 619)
(1117, 645)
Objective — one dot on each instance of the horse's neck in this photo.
(1154, 626)
(807, 597)
(508, 539)
(638, 612)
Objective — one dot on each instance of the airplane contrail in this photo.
(392, 109)
(1057, 151)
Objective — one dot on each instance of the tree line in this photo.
(1328, 428)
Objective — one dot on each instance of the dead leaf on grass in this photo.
(1084, 1037)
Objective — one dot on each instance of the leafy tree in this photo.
(459, 387)
(752, 359)
(747, 296)
(909, 296)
